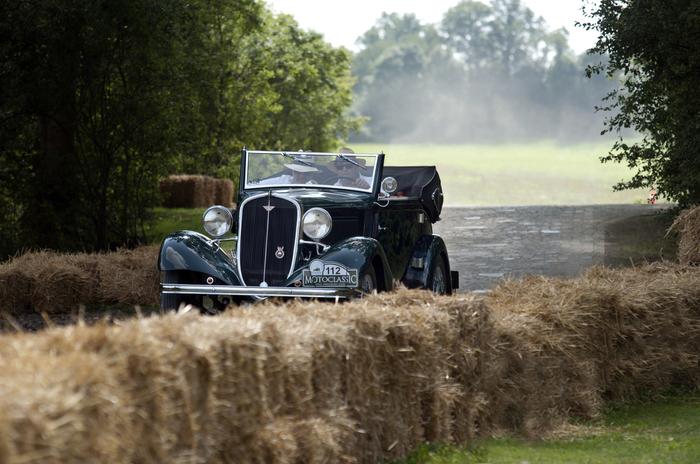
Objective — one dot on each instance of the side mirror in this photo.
(389, 186)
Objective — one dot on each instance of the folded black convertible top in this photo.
(421, 182)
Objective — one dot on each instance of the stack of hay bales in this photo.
(53, 282)
(223, 194)
(365, 381)
(687, 225)
(191, 191)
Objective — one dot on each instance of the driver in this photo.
(349, 174)
(299, 174)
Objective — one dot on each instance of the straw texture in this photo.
(53, 282)
(192, 191)
(687, 225)
(364, 381)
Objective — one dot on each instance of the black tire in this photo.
(437, 282)
(368, 281)
(169, 302)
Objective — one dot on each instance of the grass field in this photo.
(168, 220)
(542, 173)
(667, 431)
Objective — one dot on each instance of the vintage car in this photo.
(312, 225)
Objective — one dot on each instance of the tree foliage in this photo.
(654, 44)
(98, 100)
(486, 72)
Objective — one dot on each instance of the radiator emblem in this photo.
(279, 254)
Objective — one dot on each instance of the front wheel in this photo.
(368, 281)
(438, 278)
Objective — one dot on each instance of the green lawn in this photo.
(168, 220)
(542, 173)
(667, 431)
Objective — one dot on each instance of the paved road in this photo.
(487, 244)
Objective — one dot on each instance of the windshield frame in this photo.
(246, 186)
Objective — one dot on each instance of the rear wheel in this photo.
(173, 302)
(368, 281)
(438, 277)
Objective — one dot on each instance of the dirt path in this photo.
(487, 244)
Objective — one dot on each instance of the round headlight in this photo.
(217, 220)
(317, 223)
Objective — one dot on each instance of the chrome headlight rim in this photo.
(323, 213)
(228, 221)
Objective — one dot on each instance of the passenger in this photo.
(348, 172)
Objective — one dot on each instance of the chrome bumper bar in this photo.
(260, 292)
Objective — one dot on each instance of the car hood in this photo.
(317, 198)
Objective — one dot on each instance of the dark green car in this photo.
(312, 225)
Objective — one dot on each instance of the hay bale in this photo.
(46, 282)
(687, 226)
(129, 276)
(59, 286)
(224, 192)
(192, 191)
(16, 289)
(55, 282)
(61, 409)
(365, 381)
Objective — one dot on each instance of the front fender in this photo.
(356, 253)
(427, 249)
(192, 251)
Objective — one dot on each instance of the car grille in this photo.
(267, 250)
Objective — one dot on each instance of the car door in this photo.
(399, 225)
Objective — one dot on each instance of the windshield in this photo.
(299, 169)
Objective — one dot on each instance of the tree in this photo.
(653, 44)
(313, 84)
(502, 37)
(98, 100)
(108, 86)
(488, 72)
(396, 70)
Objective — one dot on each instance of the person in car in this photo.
(299, 174)
(348, 172)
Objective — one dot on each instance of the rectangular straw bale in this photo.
(471, 357)
(365, 381)
(394, 353)
(325, 438)
(304, 439)
(59, 286)
(238, 353)
(224, 192)
(190, 191)
(56, 282)
(178, 191)
(205, 195)
(46, 281)
(16, 289)
(163, 384)
(62, 409)
(129, 276)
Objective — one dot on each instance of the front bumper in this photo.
(258, 292)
